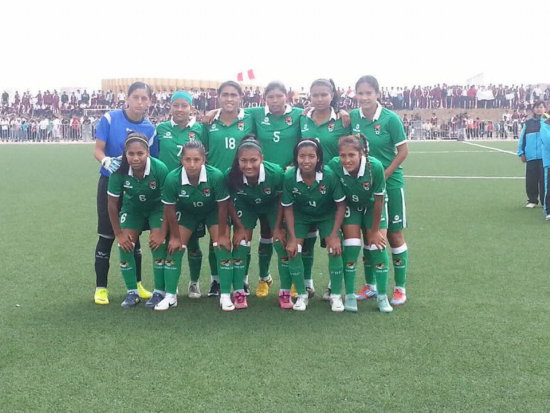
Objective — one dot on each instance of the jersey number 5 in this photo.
(276, 136)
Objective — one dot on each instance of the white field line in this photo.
(462, 177)
(491, 148)
(428, 152)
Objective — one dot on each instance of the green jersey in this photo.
(316, 201)
(195, 200)
(221, 141)
(361, 189)
(266, 192)
(277, 134)
(384, 132)
(139, 195)
(328, 133)
(171, 139)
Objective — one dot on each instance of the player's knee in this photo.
(103, 248)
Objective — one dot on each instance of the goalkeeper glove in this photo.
(111, 164)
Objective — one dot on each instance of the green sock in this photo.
(159, 255)
(265, 252)
(296, 269)
(172, 271)
(213, 260)
(336, 271)
(380, 264)
(400, 257)
(367, 265)
(128, 268)
(194, 257)
(349, 256)
(282, 264)
(239, 258)
(307, 256)
(225, 269)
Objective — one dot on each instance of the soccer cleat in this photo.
(366, 292)
(131, 300)
(336, 303)
(383, 305)
(194, 290)
(293, 292)
(214, 289)
(310, 292)
(169, 301)
(225, 302)
(240, 300)
(350, 303)
(301, 303)
(548, 217)
(246, 288)
(143, 293)
(326, 294)
(399, 296)
(154, 300)
(263, 287)
(101, 296)
(530, 205)
(284, 300)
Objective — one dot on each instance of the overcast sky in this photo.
(60, 43)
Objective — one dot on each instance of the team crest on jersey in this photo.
(366, 185)
(240, 125)
(225, 263)
(377, 129)
(288, 120)
(191, 135)
(331, 126)
(153, 184)
(267, 190)
(206, 191)
(322, 189)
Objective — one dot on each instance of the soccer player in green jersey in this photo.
(138, 180)
(256, 186)
(221, 140)
(388, 143)
(171, 136)
(313, 196)
(363, 182)
(322, 123)
(191, 195)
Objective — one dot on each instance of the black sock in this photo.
(137, 256)
(102, 256)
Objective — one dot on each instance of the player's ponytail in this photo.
(235, 176)
(131, 138)
(365, 144)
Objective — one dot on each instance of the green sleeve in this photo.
(378, 177)
(334, 165)
(255, 112)
(288, 199)
(205, 138)
(162, 172)
(396, 129)
(169, 191)
(337, 191)
(220, 188)
(114, 187)
(278, 179)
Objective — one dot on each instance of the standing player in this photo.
(256, 187)
(139, 180)
(222, 138)
(312, 195)
(321, 123)
(362, 178)
(388, 143)
(530, 152)
(191, 195)
(172, 135)
(110, 137)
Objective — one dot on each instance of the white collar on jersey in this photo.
(185, 178)
(332, 113)
(318, 176)
(376, 114)
(190, 124)
(288, 109)
(261, 176)
(362, 166)
(240, 116)
(147, 168)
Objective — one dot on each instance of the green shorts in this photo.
(356, 215)
(193, 222)
(302, 227)
(397, 213)
(250, 216)
(140, 221)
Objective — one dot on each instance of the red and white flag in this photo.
(249, 75)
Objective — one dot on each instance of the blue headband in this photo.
(182, 94)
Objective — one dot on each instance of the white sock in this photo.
(214, 278)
